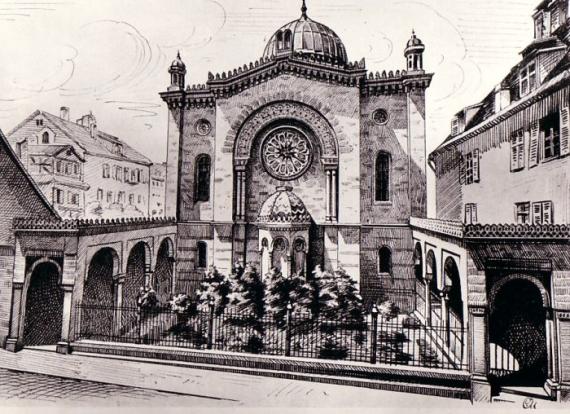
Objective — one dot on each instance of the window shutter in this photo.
(565, 131)
(514, 153)
(533, 145)
(473, 213)
(537, 213)
(522, 147)
(476, 172)
(547, 212)
(467, 213)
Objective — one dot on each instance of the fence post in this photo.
(288, 329)
(211, 306)
(139, 322)
(374, 338)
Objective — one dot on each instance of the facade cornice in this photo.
(225, 85)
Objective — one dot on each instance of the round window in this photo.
(286, 153)
(203, 127)
(380, 116)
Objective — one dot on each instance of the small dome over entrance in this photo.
(284, 207)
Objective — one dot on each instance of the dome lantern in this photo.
(414, 54)
(177, 72)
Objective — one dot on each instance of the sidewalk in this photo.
(233, 388)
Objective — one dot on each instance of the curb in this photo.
(417, 380)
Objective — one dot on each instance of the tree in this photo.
(338, 296)
(217, 288)
(281, 291)
(247, 292)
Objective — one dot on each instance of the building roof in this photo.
(53, 150)
(82, 137)
(308, 37)
(22, 195)
(558, 77)
(284, 207)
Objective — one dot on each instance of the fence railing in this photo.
(371, 339)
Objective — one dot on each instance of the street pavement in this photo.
(36, 377)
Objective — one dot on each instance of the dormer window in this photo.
(527, 77)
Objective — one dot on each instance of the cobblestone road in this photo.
(17, 388)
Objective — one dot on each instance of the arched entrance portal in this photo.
(163, 271)
(44, 306)
(517, 334)
(97, 317)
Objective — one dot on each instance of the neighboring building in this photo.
(157, 190)
(84, 172)
(497, 260)
(20, 198)
(301, 159)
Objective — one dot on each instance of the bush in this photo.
(388, 310)
(147, 299)
(332, 349)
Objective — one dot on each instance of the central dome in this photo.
(306, 36)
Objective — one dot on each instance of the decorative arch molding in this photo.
(148, 256)
(37, 263)
(431, 264)
(448, 257)
(518, 276)
(171, 249)
(261, 118)
(94, 252)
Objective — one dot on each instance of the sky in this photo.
(111, 56)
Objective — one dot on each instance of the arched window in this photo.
(279, 40)
(202, 255)
(45, 138)
(385, 260)
(383, 176)
(287, 39)
(203, 165)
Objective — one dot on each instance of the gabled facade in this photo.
(302, 121)
(84, 172)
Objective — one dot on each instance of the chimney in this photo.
(89, 121)
(64, 113)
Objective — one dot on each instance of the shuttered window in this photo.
(517, 150)
(522, 213)
(471, 168)
(533, 145)
(550, 133)
(542, 212)
(470, 213)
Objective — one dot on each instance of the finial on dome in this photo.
(178, 55)
(304, 9)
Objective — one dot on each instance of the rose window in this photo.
(286, 153)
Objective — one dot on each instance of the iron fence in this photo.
(372, 339)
